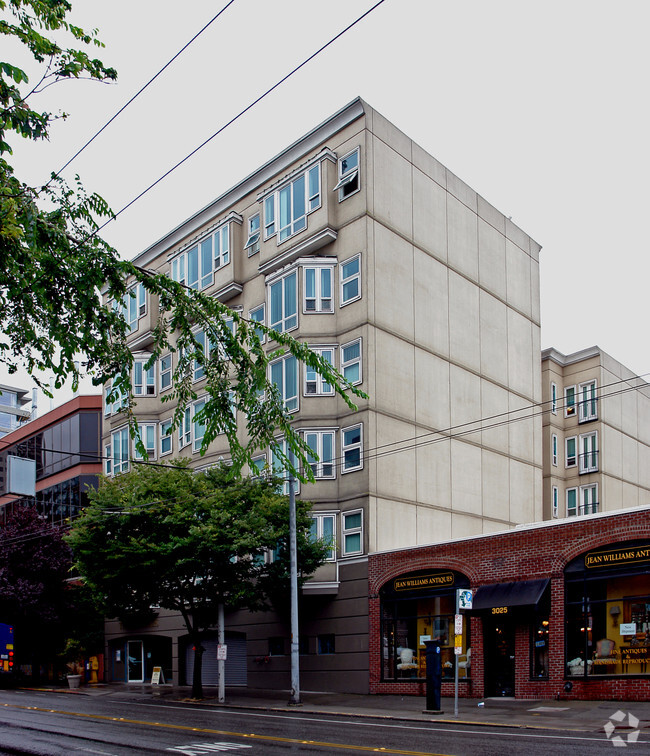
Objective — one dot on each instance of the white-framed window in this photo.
(204, 346)
(352, 532)
(352, 448)
(166, 372)
(198, 426)
(293, 202)
(185, 429)
(108, 460)
(120, 442)
(571, 502)
(283, 302)
(589, 499)
(350, 280)
(588, 453)
(323, 528)
(253, 240)
(348, 182)
(554, 449)
(259, 466)
(317, 286)
(554, 398)
(193, 268)
(322, 457)
(269, 216)
(117, 405)
(257, 316)
(108, 406)
(571, 451)
(569, 401)
(555, 501)
(133, 305)
(279, 468)
(284, 375)
(148, 438)
(144, 379)
(166, 441)
(351, 361)
(588, 402)
(221, 242)
(315, 384)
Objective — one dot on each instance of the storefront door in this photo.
(136, 661)
(499, 645)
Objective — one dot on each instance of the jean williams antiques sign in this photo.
(618, 557)
(419, 582)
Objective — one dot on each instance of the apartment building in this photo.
(13, 413)
(357, 241)
(596, 431)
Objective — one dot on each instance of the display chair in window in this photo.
(407, 659)
(467, 661)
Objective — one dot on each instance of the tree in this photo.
(187, 542)
(53, 264)
(34, 566)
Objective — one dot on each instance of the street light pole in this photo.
(293, 569)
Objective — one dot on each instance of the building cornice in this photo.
(278, 164)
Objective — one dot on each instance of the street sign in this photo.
(222, 653)
(465, 597)
(458, 645)
(458, 624)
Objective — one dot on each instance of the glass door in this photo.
(499, 655)
(135, 668)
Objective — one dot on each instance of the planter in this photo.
(74, 681)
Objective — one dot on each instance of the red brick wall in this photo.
(525, 554)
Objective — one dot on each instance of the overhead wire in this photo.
(141, 90)
(235, 118)
(413, 444)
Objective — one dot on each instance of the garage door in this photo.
(235, 663)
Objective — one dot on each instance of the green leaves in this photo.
(186, 542)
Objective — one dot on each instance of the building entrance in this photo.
(499, 655)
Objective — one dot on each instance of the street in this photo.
(50, 723)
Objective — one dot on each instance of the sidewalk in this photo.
(584, 716)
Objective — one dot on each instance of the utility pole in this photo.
(293, 569)
(221, 664)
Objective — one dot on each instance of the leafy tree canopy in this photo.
(188, 542)
(53, 265)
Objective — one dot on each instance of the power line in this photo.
(142, 89)
(235, 118)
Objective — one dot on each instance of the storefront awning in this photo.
(521, 593)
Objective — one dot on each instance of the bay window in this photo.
(321, 457)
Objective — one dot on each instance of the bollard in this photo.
(434, 677)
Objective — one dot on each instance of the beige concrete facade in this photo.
(448, 318)
(596, 434)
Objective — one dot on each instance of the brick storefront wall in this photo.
(516, 555)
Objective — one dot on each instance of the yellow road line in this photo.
(249, 735)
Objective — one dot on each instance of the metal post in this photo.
(293, 567)
(221, 664)
(456, 661)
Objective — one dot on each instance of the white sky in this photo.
(540, 107)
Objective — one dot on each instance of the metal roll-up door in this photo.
(235, 663)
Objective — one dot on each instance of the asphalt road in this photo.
(52, 724)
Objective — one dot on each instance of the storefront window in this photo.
(539, 647)
(607, 612)
(416, 608)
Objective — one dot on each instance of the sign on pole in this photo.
(458, 645)
(222, 653)
(458, 624)
(465, 597)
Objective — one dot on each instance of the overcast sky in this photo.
(540, 107)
